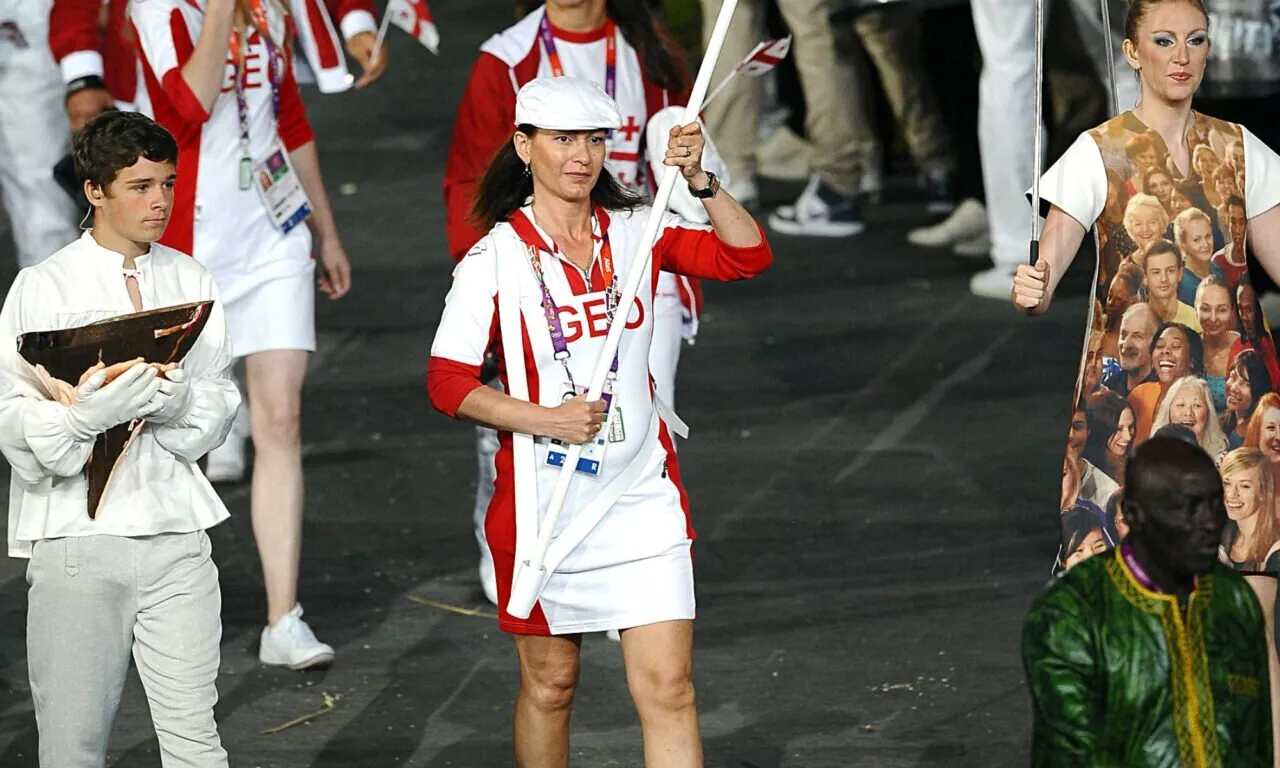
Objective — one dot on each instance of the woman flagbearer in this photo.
(1167, 43)
(618, 45)
(542, 285)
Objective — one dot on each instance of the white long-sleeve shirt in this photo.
(157, 486)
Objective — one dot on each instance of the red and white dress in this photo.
(621, 557)
(267, 278)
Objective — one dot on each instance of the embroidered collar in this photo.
(1140, 574)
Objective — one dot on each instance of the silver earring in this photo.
(527, 172)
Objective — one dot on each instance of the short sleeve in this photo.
(1261, 176)
(157, 24)
(467, 323)
(1076, 183)
(166, 44)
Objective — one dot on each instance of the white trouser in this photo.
(34, 133)
(94, 601)
(664, 357)
(1006, 99)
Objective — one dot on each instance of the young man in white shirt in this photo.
(137, 578)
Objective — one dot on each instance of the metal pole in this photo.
(1111, 58)
(1039, 134)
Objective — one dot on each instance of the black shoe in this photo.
(819, 212)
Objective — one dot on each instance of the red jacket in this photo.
(99, 28)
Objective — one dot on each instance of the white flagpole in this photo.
(527, 583)
(382, 34)
(718, 89)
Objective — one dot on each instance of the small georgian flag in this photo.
(414, 17)
(762, 59)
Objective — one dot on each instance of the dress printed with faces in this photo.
(225, 226)
(633, 567)
(1099, 179)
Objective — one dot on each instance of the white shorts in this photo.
(279, 314)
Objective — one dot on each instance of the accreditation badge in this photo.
(281, 191)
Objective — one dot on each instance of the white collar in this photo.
(103, 260)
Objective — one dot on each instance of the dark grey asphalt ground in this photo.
(873, 467)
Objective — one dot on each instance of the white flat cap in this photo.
(566, 104)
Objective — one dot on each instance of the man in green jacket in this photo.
(1153, 654)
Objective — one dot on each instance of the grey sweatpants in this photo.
(94, 601)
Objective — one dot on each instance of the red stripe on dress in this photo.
(320, 33)
(500, 518)
(673, 465)
(180, 234)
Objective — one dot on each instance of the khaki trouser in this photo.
(95, 600)
(838, 117)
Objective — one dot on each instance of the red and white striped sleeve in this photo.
(353, 16)
(166, 43)
(468, 327)
(694, 250)
(75, 38)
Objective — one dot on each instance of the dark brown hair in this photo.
(1138, 10)
(506, 187)
(114, 141)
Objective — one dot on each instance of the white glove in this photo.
(657, 134)
(97, 408)
(172, 399)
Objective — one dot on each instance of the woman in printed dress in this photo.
(1167, 43)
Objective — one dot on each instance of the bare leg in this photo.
(1265, 588)
(659, 663)
(548, 678)
(274, 381)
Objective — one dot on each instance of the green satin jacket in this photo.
(1122, 676)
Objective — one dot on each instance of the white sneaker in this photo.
(967, 222)
(994, 283)
(290, 643)
(819, 212)
(974, 248)
(488, 579)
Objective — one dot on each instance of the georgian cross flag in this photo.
(414, 17)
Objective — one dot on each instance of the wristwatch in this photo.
(713, 186)
(84, 83)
